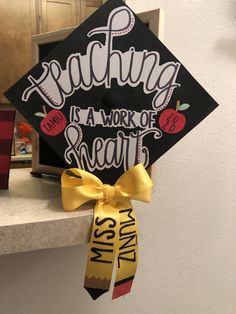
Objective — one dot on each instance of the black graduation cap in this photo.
(113, 95)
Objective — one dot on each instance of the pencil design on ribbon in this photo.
(102, 250)
(127, 251)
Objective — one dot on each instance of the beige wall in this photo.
(187, 240)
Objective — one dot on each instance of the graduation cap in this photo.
(111, 95)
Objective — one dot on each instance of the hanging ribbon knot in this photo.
(114, 232)
(109, 193)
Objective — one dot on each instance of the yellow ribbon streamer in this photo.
(114, 231)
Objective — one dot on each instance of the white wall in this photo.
(187, 238)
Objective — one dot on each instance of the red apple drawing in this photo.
(53, 123)
(171, 121)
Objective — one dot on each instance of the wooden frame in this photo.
(87, 7)
(155, 21)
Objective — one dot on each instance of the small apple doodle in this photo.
(171, 120)
(53, 123)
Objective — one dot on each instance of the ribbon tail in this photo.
(127, 251)
(102, 250)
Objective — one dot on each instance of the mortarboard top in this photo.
(111, 95)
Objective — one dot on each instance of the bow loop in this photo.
(78, 187)
(135, 184)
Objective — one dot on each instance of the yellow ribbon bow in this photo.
(114, 232)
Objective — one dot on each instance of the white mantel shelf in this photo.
(32, 217)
